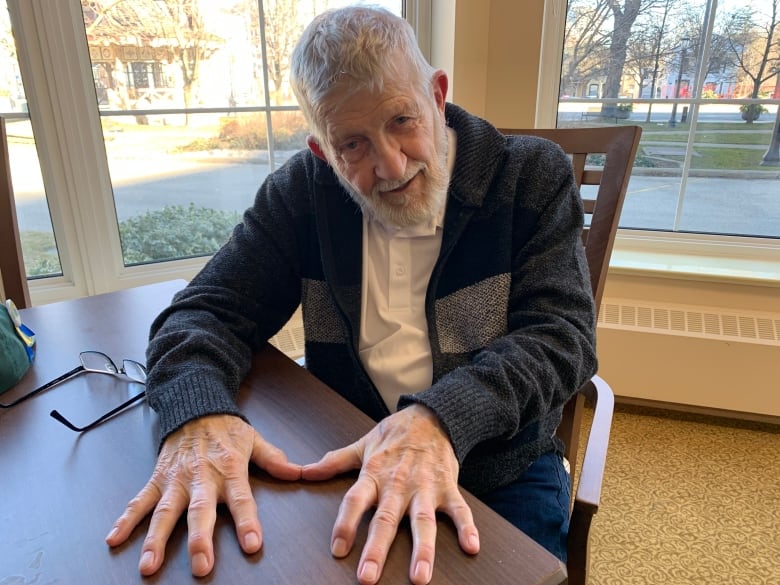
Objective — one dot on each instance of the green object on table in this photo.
(14, 360)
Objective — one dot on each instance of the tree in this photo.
(283, 29)
(193, 43)
(755, 48)
(649, 47)
(623, 17)
(771, 157)
(10, 80)
(586, 44)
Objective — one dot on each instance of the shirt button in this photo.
(400, 270)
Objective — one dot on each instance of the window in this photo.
(702, 79)
(167, 117)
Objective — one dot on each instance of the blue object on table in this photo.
(26, 334)
(16, 351)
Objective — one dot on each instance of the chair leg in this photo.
(578, 557)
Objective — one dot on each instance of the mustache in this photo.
(411, 172)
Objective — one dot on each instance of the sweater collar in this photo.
(480, 152)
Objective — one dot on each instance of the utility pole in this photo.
(683, 52)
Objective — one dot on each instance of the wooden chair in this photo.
(618, 145)
(12, 272)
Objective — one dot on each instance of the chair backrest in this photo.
(12, 272)
(617, 147)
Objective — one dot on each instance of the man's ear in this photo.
(314, 146)
(440, 87)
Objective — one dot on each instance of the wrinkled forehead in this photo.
(349, 94)
(351, 105)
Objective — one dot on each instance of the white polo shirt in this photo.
(397, 265)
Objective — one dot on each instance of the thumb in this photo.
(273, 460)
(335, 462)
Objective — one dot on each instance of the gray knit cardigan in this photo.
(509, 305)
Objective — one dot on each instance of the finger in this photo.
(381, 533)
(273, 460)
(359, 498)
(201, 518)
(136, 510)
(422, 518)
(243, 508)
(168, 511)
(334, 462)
(460, 512)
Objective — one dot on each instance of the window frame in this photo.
(707, 257)
(54, 61)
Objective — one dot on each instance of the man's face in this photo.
(389, 149)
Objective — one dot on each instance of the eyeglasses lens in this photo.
(95, 361)
(135, 371)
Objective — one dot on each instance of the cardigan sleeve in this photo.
(201, 346)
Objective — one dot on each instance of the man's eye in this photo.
(352, 150)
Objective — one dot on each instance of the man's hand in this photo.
(407, 466)
(203, 463)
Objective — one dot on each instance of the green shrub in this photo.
(174, 232)
(40, 254)
(751, 112)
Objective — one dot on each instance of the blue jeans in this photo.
(538, 503)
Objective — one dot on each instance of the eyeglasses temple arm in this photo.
(46, 386)
(55, 414)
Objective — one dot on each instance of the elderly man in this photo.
(444, 292)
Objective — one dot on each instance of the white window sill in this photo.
(731, 260)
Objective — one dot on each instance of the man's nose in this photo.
(389, 161)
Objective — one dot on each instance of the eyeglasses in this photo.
(96, 362)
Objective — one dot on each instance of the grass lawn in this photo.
(708, 133)
(713, 158)
(724, 158)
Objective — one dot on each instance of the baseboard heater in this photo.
(690, 357)
(691, 321)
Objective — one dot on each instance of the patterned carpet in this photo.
(688, 499)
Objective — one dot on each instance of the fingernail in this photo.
(112, 534)
(474, 541)
(147, 559)
(251, 541)
(199, 564)
(422, 571)
(369, 571)
(339, 547)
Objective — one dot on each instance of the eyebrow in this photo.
(400, 106)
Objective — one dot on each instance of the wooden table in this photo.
(61, 491)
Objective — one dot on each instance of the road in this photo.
(735, 205)
(738, 206)
(661, 113)
(726, 204)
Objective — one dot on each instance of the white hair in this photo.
(353, 48)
